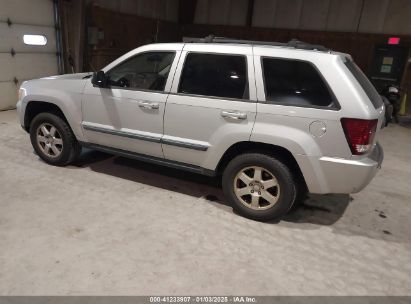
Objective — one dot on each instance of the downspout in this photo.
(57, 26)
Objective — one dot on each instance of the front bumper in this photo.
(20, 112)
(338, 175)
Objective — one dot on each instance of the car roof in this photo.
(292, 45)
(207, 46)
(237, 46)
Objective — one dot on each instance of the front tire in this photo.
(53, 140)
(259, 186)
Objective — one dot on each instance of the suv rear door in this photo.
(212, 103)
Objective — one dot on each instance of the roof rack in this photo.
(293, 43)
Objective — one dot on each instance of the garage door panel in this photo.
(41, 65)
(36, 12)
(12, 37)
(25, 62)
(7, 67)
(27, 66)
(8, 96)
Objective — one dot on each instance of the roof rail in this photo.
(293, 43)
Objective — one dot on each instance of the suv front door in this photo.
(211, 104)
(128, 115)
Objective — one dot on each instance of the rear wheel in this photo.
(259, 186)
(53, 140)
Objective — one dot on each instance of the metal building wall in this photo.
(227, 12)
(158, 9)
(364, 16)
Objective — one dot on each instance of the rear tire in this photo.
(53, 140)
(259, 186)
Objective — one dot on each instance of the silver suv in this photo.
(275, 120)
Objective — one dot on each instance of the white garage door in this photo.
(27, 45)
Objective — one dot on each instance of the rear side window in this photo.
(366, 85)
(295, 83)
(215, 75)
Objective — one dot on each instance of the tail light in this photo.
(359, 133)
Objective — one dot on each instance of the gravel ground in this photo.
(113, 226)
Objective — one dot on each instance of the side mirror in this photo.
(99, 79)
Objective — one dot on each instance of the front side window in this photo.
(147, 71)
(215, 75)
(294, 83)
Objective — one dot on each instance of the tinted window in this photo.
(147, 71)
(366, 85)
(295, 83)
(215, 75)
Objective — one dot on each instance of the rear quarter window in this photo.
(295, 83)
(365, 83)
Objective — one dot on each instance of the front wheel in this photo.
(259, 186)
(53, 140)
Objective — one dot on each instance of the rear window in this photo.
(295, 83)
(366, 85)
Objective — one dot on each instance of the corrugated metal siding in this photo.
(397, 17)
(158, 9)
(365, 16)
(344, 15)
(373, 16)
(228, 12)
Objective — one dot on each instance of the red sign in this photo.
(394, 40)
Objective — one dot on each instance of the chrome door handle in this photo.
(148, 105)
(234, 115)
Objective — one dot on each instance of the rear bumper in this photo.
(338, 175)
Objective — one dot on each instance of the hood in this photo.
(73, 83)
(69, 76)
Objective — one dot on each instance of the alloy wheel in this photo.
(49, 140)
(256, 188)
